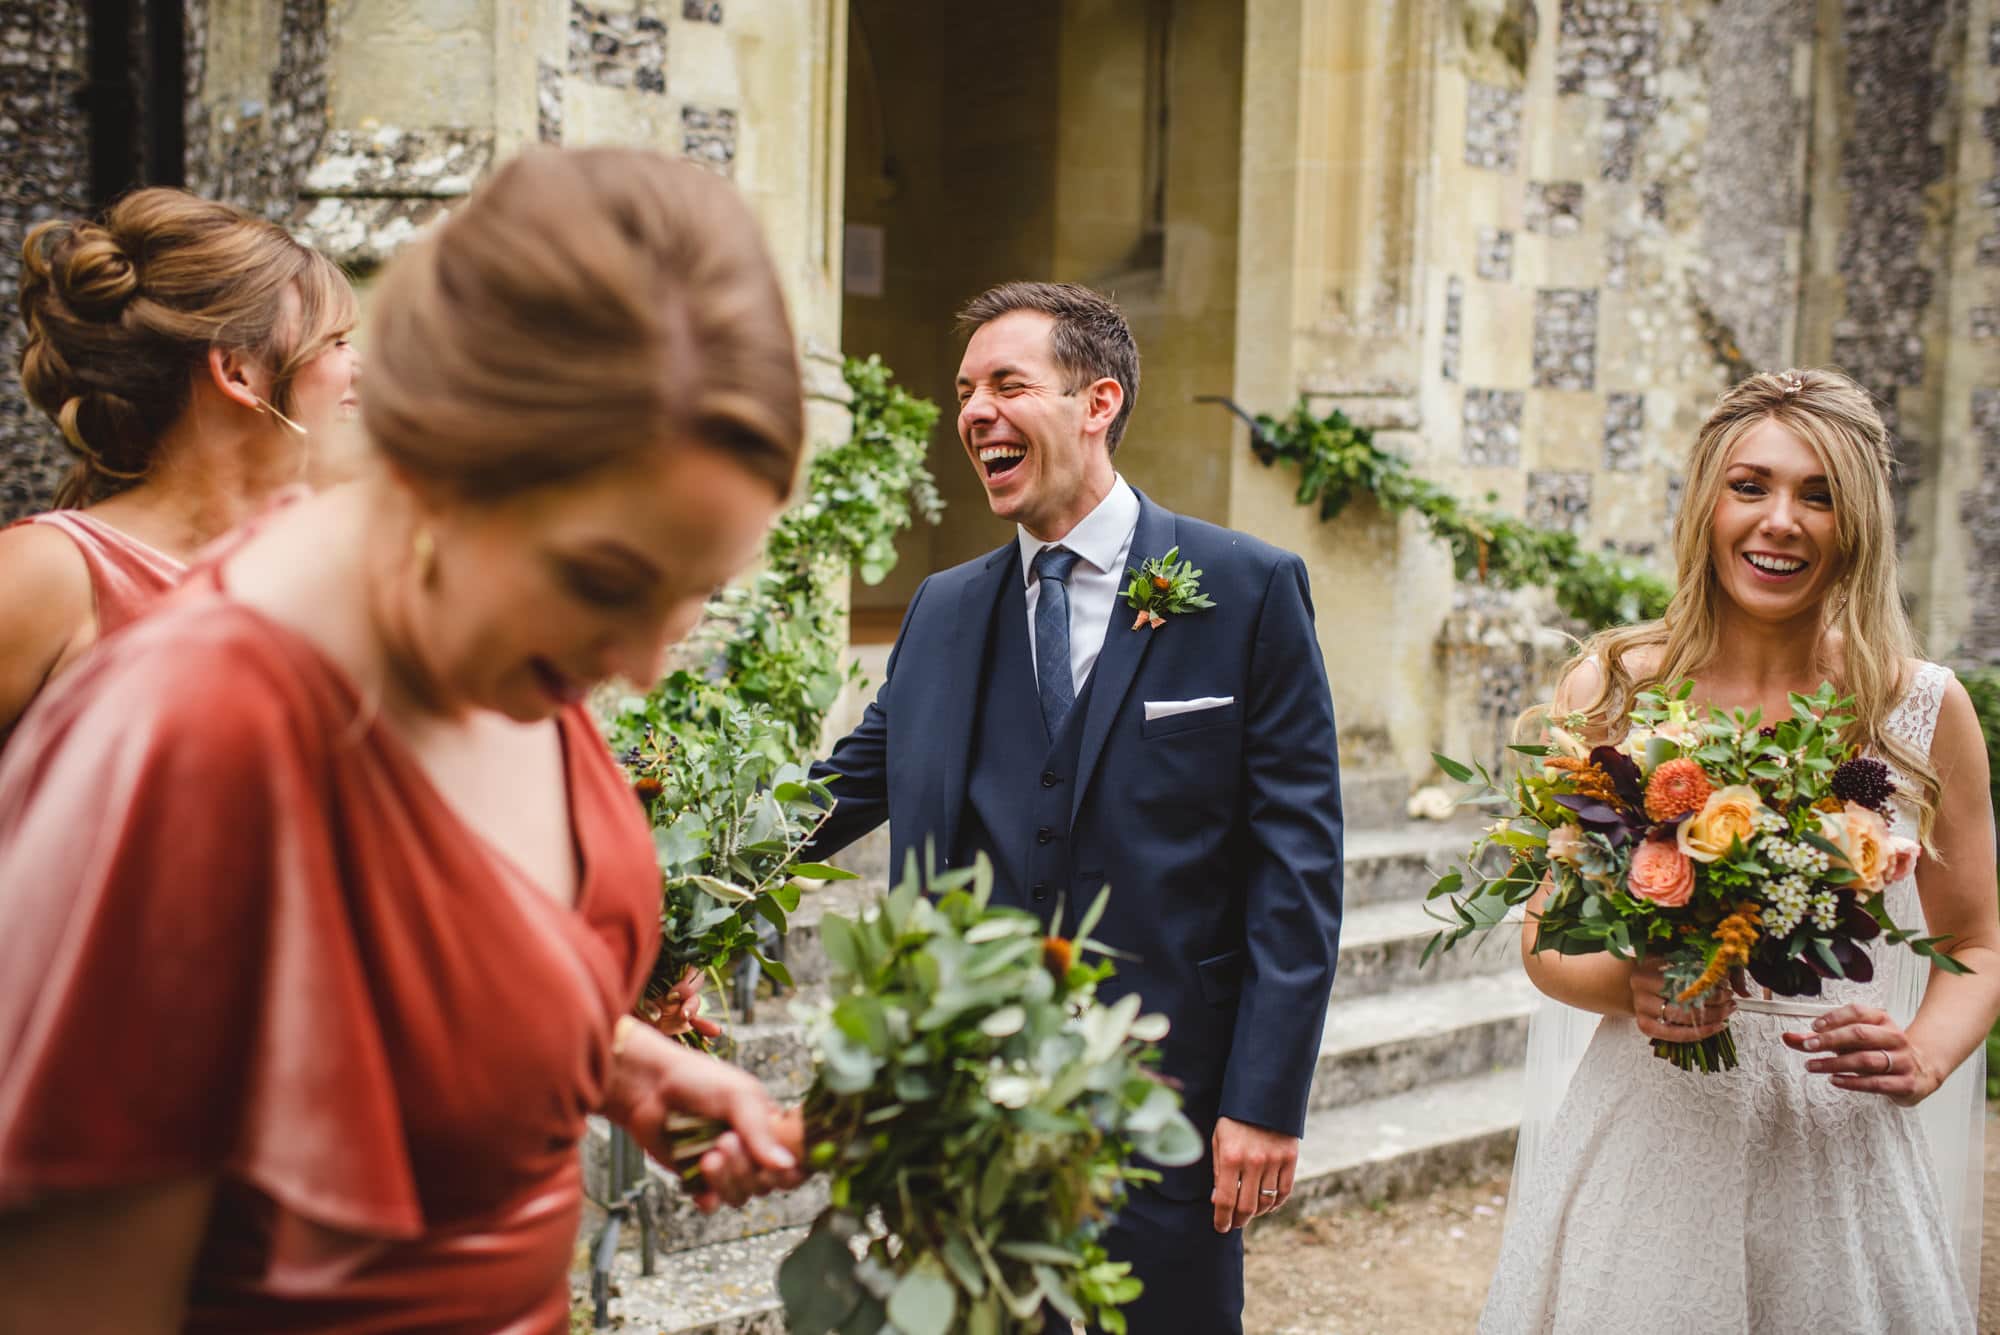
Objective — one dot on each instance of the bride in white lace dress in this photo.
(1800, 1192)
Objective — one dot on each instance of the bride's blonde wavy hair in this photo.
(1863, 613)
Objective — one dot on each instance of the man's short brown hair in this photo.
(1090, 340)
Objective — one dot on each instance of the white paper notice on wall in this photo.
(861, 260)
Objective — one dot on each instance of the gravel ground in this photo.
(1410, 1267)
(1420, 1266)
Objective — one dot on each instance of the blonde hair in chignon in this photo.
(585, 306)
(1864, 613)
(120, 315)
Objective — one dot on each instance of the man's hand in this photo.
(1253, 1172)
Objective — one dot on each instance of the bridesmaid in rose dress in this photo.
(195, 360)
(322, 904)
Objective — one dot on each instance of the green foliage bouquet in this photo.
(977, 1110)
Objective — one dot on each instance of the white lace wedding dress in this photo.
(1762, 1200)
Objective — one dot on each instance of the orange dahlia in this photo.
(1676, 788)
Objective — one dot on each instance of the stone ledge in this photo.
(360, 233)
(399, 164)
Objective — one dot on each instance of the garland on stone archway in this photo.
(1337, 459)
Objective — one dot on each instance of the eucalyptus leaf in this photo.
(924, 1303)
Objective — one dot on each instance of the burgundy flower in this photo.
(1864, 781)
(1624, 772)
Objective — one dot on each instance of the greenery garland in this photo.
(1337, 458)
(718, 751)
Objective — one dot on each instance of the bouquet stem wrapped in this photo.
(977, 1109)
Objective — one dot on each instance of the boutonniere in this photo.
(1163, 586)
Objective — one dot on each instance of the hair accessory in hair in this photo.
(1790, 383)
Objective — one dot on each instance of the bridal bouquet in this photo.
(976, 1109)
(1721, 845)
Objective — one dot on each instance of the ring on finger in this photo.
(1888, 1062)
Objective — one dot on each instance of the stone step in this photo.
(1406, 1143)
(1402, 860)
(1397, 864)
(1397, 1041)
(1382, 945)
(1370, 1151)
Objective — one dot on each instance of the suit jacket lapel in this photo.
(1124, 649)
(957, 678)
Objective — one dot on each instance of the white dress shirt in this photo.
(1103, 541)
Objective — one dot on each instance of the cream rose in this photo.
(1565, 841)
(1863, 841)
(1729, 815)
(1635, 741)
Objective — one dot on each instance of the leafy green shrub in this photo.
(776, 639)
(730, 813)
(719, 752)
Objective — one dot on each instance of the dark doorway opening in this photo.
(134, 101)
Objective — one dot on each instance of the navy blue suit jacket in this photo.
(1219, 831)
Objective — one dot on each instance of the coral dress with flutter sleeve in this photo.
(126, 575)
(243, 936)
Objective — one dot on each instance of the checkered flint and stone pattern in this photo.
(1493, 427)
(1565, 338)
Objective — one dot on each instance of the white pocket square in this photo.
(1169, 708)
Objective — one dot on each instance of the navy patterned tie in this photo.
(1052, 567)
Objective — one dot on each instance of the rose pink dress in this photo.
(243, 936)
(125, 574)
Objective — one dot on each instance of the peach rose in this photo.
(1903, 855)
(1565, 841)
(1729, 815)
(1662, 873)
(1863, 841)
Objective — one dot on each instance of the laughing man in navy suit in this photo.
(1190, 765)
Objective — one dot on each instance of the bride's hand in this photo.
(1659, 1017)
(1869, 1053)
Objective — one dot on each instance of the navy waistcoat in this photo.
(1021, 782)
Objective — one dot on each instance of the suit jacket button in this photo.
(1041, 891)
(1049, 779)
(1044, 834)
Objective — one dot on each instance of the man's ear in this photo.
(236, 376)
(1103, 400)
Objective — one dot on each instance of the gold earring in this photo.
(423, 549)
(266, 406)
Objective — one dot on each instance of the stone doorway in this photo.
(1094, 142)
